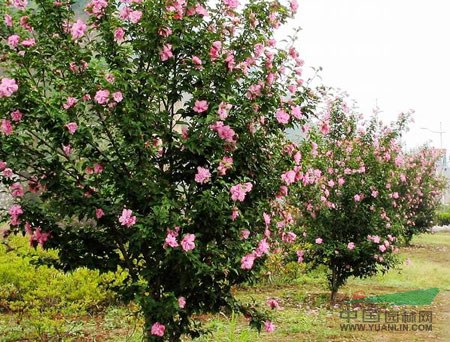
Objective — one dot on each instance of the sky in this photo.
(394, 53)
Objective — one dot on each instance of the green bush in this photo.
(443, 218)
(43, 301)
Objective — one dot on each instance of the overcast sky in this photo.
(392, 52)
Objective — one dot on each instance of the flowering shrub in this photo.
(350, 196)
(421, 191)
(148, 134)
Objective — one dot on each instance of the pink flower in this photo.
(319, 241)
(28, 42)
(289, 237)
(196, 60)
(2, 165)
(239, 191)
(296, 112)
(171, 239)
(98, 168)
(135, 16)
(17, 190)
(16, 115)
(382, 248)
(351, 245)
(269, 326)
(78, 29)
(231, 4)
(40, 237)
(282, 116)
(224, 109)
(273, 304)
(225, 164)
(67, 149)
(6, 127)
(247, 261)
(165, 31)
(245, 233)
(8, 87)
(200, 106)
(70, 102)
(99, 213)
(181, 302)
(102, 96)
(203, 175)
(117, 96)
(166, 52)
(19, 4)
(13, 40)
(119, 34)
(126, 219)
(72, 127)
(357, 198)
(226, 133)
(8, 20)
(263, 248)
(300, 255)
(188, 242)
(234, 214)
(288, 177)
(325, 127)
(158, 329)
(7, 173)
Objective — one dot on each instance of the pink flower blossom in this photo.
(269, 326)
(19, 4)
(70, 102)
(117, 96)
(171, 239)
(231, 4)
(357, 198)
(13, 40)
(382, 248)
(16, 115)
(135, 16)
(203, 175)
(78, 29)
(196, 60)
(200, 106)
(99, 213)
(273, 303)
(17, 190)
(181, 302)
(282, 117)
(263, 248)
(40, 237)
(300, 256)
(6, 127)
(7, 173)
(72, 127)
(289, 237)
(351, 245)
(226, 133)
(158, 329)
(98, 168)
(126, 219)
(119, 34)
(67, 149)
(8, 20)
(224, 109)
(102, 96)
(319, 241)
(296, 112)
(2, 165)
(234, 214)
(247, 261)
(8, 87)
(225, 164)
(245, 233)
(288, 177)
(166, 52)
(188, 242)
(239, 191)
(28, 42)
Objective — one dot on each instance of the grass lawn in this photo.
(305, 314)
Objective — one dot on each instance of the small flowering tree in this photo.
(421, 191)
(347, 197)
(148, 135)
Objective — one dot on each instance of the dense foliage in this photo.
(148, 135)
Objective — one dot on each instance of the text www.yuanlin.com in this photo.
(385, 327)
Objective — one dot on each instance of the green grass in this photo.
(305, 314)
